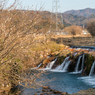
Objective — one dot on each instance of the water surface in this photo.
(63, 81)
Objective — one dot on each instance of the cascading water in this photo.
(77, 66)
(49, 66)
(60, 67)
(74, 54)
(39, 65)
(82, 62)
(66, 66)
(92, 69)
(82, 65)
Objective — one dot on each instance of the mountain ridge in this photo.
(82, 12)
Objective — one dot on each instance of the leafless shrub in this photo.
(17, 30)
(74, 30)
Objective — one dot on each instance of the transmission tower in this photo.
(56, 9)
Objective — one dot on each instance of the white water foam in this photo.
(39, 65)
(78, 48)
(90, 80)
(63, 70)
(66, 66)
(75, 72)
(74, 54)
(61, 67)
(44, 69)
(92, 69)
(53, 70)
(49, 66)
(82, 62)
(36, 67)
(77, 66)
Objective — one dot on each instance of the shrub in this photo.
(16, 38)
(74, 30)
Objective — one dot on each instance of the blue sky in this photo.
(64, 4)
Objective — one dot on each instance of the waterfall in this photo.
(92, 69)
(36, 67)
(82, 62)
(77, 66)
(74, 54)
(66, 66)
(49, 66)
(39, 65)
(60, 67)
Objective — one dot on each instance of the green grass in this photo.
(48, 46)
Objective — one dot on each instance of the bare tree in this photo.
(17, 30)
(91, 28)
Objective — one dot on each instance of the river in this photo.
(64, 81)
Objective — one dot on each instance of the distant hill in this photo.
(83, 12)
(92, 16)
(72, 17)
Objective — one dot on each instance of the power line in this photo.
(56, 10)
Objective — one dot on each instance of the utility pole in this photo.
(56, 15)
(55, 7)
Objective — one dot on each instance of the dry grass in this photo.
(17, 30)
(19, 49)
(74, 30)
(75, 41)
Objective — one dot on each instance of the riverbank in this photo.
(90, 91)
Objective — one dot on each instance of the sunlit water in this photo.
(65, 82)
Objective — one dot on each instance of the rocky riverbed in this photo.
(46, 90)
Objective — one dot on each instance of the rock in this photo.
(64, 93)
(35, 94)
(46, 87)
(44, 90)
(51, 89)
(48, 93)
(57, 92)
(47, 60)
(38, 92)
(42, 94)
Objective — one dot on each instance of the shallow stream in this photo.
(65, 82)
